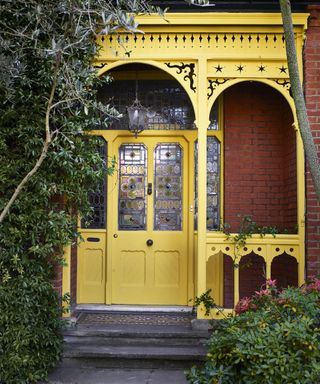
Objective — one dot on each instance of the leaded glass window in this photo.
(132, 187)
(213, 184)
(169, 107)
(98, 198)
(168, 187)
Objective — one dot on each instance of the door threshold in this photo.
(132, 308)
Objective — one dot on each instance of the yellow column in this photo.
(236, 287)
(66, 277)
(202, 124)
(268, 261)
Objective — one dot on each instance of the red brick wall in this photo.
(228, 282)
(284, 269)
(57, 282)
(260, 161)
(312, 93)
(251, 274)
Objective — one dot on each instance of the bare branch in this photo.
(45, 147)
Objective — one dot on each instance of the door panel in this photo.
(91, 268)
(151, 205)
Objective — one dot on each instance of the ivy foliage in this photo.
(48, 104)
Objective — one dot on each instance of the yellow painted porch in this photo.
(206, 54)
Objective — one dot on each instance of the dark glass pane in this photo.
(98, 199)
(168, 104)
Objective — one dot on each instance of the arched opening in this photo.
(168, 104)
(284, 269)
(228, 282)
(260, 166)
(252, 270)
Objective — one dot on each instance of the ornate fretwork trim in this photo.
(214, 84)
(188, 70)
(100, 66)
(285, 83)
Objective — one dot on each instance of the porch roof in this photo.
(233, 5)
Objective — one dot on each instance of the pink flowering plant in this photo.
(274, 338)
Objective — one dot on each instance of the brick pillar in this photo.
(312, 94)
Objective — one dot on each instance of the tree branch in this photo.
(45, 147)
(298, 96)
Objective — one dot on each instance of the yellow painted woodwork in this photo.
(206, 53)
(91, 267)
(156, 274)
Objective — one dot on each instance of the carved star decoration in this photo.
(283, 69)
(262, 68)
(218, 68)
(240, 68)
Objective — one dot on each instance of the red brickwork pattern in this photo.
(260, 160)
(312, 93)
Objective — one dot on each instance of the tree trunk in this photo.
(297, 93)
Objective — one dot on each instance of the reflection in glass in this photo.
(214, 113)
(98, 198)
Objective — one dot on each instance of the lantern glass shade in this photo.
(138, 119)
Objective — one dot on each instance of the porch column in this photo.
(202, 125)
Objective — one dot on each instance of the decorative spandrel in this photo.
(132, 187)
(98, 198)
(213, 184)
(168, 187)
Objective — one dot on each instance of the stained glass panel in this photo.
(213, 184)
(132, 186)
(97, 199)
(168, 187)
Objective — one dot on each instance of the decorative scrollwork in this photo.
(213, 84)
(183, 68)
(285, 83)
(100, 66)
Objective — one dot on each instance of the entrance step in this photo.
(134, 340)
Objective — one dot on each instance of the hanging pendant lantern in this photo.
(137, 114)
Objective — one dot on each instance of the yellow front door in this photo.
(149, 240)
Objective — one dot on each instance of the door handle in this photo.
(149, 189)
(149, 242)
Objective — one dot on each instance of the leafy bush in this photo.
(274, 338)
(29, 329)
(48, 104)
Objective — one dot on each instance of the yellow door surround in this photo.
(206, 54)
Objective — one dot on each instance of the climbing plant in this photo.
(48, 105)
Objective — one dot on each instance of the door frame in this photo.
(111, 138)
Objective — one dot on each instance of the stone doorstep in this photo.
(134, 345)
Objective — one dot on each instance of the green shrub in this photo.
(274, 338)
(29, 329)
